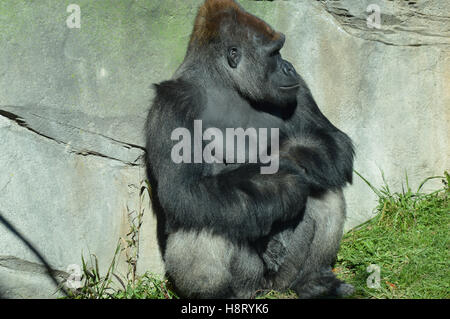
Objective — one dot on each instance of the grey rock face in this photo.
(73, 104)
(71, 193)
(402, 23)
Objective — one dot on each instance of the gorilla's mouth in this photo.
(290, 87)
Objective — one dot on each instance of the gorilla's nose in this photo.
(289, 69)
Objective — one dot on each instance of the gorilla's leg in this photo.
(321, 283)
(312, 249)
(202, 265)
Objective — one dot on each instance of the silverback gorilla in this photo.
(225, 229)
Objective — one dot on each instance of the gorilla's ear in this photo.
(234, 56)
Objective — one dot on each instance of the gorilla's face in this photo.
(282, 75)
(261, 73)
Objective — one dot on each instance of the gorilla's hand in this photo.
(276, 251)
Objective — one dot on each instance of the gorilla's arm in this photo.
(240, 202)
(325, 152)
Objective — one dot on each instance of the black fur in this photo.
(227, 231)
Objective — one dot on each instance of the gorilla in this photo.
(225, 229)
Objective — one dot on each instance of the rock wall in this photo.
(73, 103)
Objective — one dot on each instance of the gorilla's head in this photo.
(244, 51)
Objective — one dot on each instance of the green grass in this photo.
(114, 286)
(408, 240)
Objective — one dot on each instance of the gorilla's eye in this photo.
(233, 56)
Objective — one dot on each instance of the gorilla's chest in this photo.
(232, 112)
(235, 133)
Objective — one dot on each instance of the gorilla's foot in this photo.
(344, 290)
(324, 285)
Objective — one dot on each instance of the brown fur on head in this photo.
(211, 14)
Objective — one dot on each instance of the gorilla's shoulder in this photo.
(175, 90)
(178, 95)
